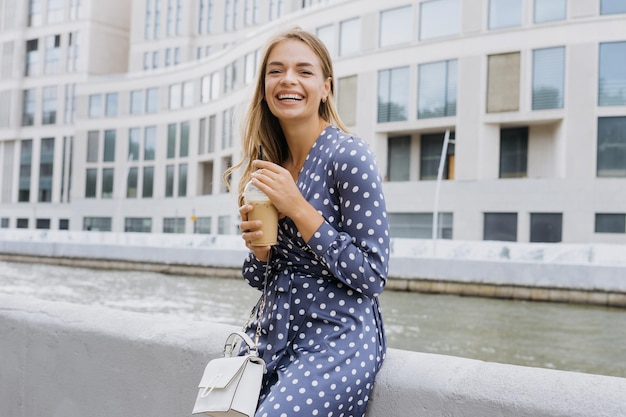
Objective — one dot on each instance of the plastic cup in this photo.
(263, 210)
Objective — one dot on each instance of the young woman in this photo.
(322, 333)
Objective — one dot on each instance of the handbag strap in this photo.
(261, 306)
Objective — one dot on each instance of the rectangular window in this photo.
(95, 105)
(49, 107)
(152, 100)
(505, 13)
(32, 57)
(187, 94)
(91, 183)
(134, 138)
(610, 223)
(431, 146)
(399, 158)
(148, 182)
(46, 165)
(184, 139)
(29, 105)
(55, 11)
(175, 96)
(550, 10)
(250, 68)
(215, 85)
(500, 226)
(136, 102)
(109, 146)
(131, 182)
(548, 78)
(64, 224)
(169, 181)
(205, 89)
(513, 152)
(212, 127)
(97, 224)
(26, 160)
(437, 89)
(203, 225)
(612, 77)
(347, 99)
(111, 105)
(503, 82)
(546, 227)
(396, 27)
(4, 223)
(223, 225)
(202, 136)
(393, 94)
(34, 13)
(174, 225)
(205, 175)
(419, 225)
(350, 37)
(149, 144)
(107, 183)
(612, 6)
(138, 224)
(52, 54)
(439, 18)
(182, 180)
(43, 224)
(611, 147)
(22, 223)
(93, 145)
(171, 140)
(327, 36)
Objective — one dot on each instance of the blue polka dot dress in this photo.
(322, 332)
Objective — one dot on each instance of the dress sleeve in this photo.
(254, 271)
(357, 251)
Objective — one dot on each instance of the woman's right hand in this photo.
(251, 230)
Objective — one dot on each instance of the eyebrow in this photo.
(299, 64)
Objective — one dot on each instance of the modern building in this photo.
(122, 116)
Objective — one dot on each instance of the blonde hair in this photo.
(261, 127)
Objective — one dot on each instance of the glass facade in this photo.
(548, 78)
(439, 18)
(393, 95)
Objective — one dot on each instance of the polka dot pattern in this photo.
(322, 332)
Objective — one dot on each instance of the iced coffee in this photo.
(265, 211)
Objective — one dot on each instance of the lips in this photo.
(290, 97)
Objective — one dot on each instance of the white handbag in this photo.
(230, 385)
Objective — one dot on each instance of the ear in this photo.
(327, 85)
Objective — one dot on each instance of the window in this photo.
(396, 27)
(93, 146)
(500, 226)
(4, 223)
(52, 54)
(175, 96)
(187, 94)
(148, 182)
(111, 105)
(250, 67)
(34, 13)
(131, 182)
(513, 152)
(43, 224)
(350, 37)
(91, 181)
(503, 82)
(70, 104)
(95, 105)
(437, 89)
(49, 107)
(174, 225)
(72, 51)
(347, 99)
(431, 146)
(419, 225)
(610, 223)
(393, 94)
(109, 146)
(612, 78)
(28, 111)
(46, 164)
(171, 140)
(611, 147)
(205, 178)
(440, 18)
(64, 224)
(97, 224)
(136, 102)
(74, 9)
(138, 224)
(134, 138)
(55, 11)
(149, 143)
(107, 183)
(211, 139)
(215, 85)
(184, 139)
(152, 100)
(202, 225)
(205, 89)
(612, 6)
(546, 227)
(327, 35)
(169, 181)
(6, 71)
(26, 160)
(223, 225)
(550, 10)
(399, 158)
(182, 180)
(505, 13)
(32, 57)
(548, 78)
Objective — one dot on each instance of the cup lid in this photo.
(251, 192)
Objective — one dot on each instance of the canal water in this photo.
(579, 338)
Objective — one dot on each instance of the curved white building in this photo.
(122, 116)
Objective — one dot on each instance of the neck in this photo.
(300, 138)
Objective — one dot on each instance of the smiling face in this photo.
(294, 82)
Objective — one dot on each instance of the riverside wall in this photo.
(65, 360)
(583, 273)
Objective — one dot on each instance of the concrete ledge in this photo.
(61, 359)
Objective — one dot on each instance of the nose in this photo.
(289, 77)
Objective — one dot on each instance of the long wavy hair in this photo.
(261, 128)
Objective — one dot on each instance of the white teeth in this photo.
(290, 97)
